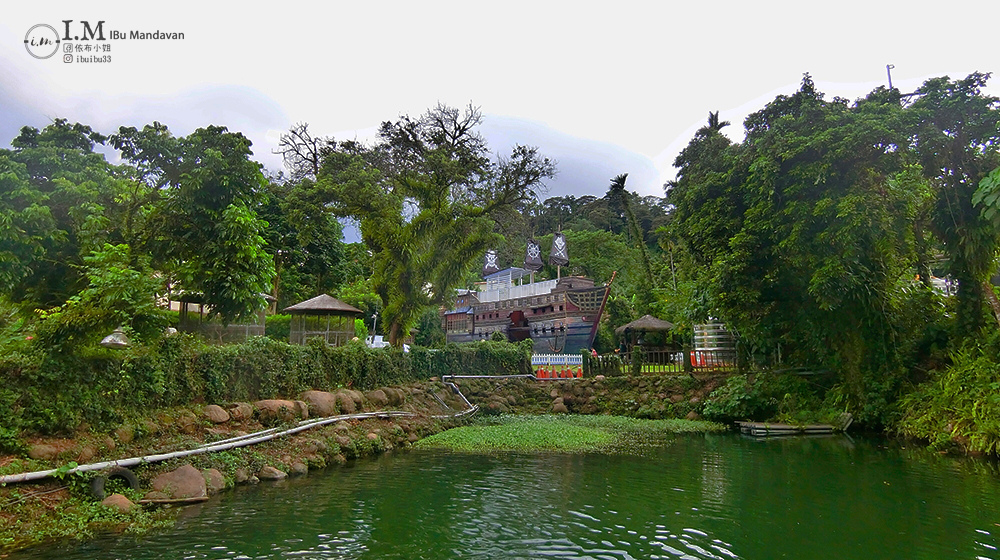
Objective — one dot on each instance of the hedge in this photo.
(54, 393)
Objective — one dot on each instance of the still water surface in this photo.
(700, 496)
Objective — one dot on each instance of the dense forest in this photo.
(822, 238)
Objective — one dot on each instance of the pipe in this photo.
(231, 443)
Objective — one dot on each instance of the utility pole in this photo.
(888, 71)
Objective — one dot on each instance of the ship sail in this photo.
(533, 256)
(559, 256)
(490, 265)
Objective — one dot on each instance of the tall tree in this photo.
(955, 132)
(805, 228)
(425, 196)
(203, 229)
(302, 152)
(59, 201)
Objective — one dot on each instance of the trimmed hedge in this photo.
(100, 387)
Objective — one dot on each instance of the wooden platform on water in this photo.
(766, 429)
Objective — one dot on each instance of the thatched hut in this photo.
(323, 317)
(644, 324)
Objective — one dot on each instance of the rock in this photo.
(676, 398)
(216, 414)
(119, 502)
(148, 427)
(357, 397)
(396, 396)
(344, 442)
(271, 473)
(342, 426)
(214, 481)
(599, 378)
(299, 468)
(694, 400)
(240, 411)
(87, 452)
(321, 403)
(276, 409)
(43, 451)
(109, 443)
(559, 408)
(184, 482)
(345, 403)
(187, 422)
(554, 393)
(126, 434)
(242, 476)
(156, 496)
(693, 416)
(372, 436)
(378, 398)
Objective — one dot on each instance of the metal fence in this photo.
(664, 361)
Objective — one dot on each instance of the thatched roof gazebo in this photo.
(646, 323)
(323, 317)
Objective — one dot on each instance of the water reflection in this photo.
(699, 497)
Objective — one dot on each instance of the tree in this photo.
(955, 133)
(302, 153)
(426, 196)
(202, 228)
(59, 201)
(305, 239)
(804, 231)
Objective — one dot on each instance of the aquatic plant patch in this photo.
(558, 433)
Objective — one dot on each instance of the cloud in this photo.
(584, 166)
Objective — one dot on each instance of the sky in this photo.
(602, 88)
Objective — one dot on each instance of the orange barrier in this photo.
(698, 359)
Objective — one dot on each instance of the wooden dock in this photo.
(766, 429)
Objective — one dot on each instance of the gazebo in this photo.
(323, 317)
(653, 359)
(644, 324)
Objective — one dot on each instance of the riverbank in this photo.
(63, 506)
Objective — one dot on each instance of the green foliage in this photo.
(202, 230)
(566, 434)
(58, 392)
(426, 196)
(305, 239)
(121, 292)
(360, 329)
(767, 397)
(806, 237)
(278, 327)
(961, 403)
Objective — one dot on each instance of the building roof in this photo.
(646, 323)
(322, 305)
(513, 272)
(465, 309)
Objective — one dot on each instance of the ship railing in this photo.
(514, 292)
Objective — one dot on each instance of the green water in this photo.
(700, 496)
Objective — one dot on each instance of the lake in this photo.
(718, 496)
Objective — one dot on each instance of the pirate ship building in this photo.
(559, 316)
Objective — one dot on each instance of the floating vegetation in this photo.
(562, 433)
